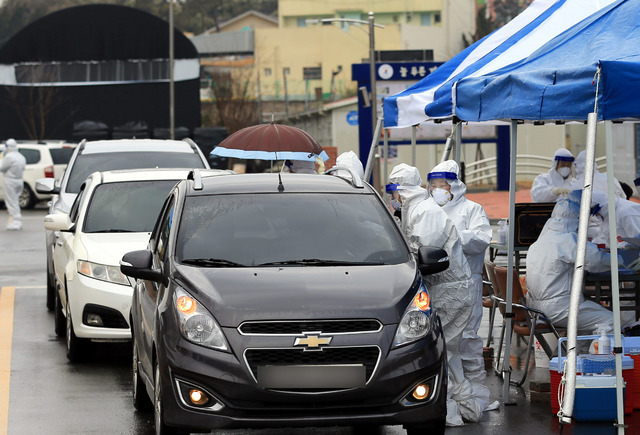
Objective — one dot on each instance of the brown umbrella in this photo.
(271, 142)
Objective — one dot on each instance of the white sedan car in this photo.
(113, 214)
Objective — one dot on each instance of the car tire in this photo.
(438, 427)
(76, 347)
(51, 291)
(141, 400)
(158, 412)
(59, 321)
(27, 198)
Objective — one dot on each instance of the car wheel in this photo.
(158, 411)
(59, 321)
(436, 428)
(141, 400)
(51, 290)
(27, 198)
(76, 347)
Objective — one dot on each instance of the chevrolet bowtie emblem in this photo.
(312, 341)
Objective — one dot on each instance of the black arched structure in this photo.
(102, 63)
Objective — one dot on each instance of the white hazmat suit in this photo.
(599, 178)
(548, 187)
(426, 224)
(12, 167)
(627, 218)
(351, 161)
(550, 267)
(474, 232)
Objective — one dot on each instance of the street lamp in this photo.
(372, 54)
(372, 78)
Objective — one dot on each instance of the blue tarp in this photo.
(559, 81)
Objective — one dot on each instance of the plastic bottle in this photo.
(601, 345)
(503, 231)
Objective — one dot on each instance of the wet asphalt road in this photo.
(49, 395)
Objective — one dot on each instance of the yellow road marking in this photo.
(7, 297)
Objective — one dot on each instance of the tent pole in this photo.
(458, 141)
(413, 144)
(566, 408)
(385, 164)
(615, 290)
(372, 150)
(506, 367)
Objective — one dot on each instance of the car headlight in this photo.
(196, 323)
(416, 321)
(102, 272)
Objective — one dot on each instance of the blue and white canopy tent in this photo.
(586, 71)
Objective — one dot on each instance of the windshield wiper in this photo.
(112, 230)
(212, 262)
(319, 262)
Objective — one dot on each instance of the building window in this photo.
(425, 19)
(267, 72)
(302, 22)
(436, 18)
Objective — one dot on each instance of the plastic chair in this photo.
(527, 322)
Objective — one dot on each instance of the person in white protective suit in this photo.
(351, 161)
(549, 187)
(599, 178)
(426, 224)
(474, 232)
(550, 267)
(627, 219)
(12, 167)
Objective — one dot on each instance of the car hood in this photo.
(235, 295)
(108, 248)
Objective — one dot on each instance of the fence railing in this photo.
(485, 171)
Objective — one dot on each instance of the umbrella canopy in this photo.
(271, 142)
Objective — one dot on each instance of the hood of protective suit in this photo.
(579, 164)
(458, 188)
(409, 187)
(11, 145)
(566, 214)
(349, 160)
(405, 175)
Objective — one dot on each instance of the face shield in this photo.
(393, 197)
(439, 186)
(564, 164)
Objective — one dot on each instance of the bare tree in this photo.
(234, 105)
(35, 99)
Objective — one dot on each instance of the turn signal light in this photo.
(422, 301)
(198, 397)
(186, 305)
(421, 392)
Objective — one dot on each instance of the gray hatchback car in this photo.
(267, 300)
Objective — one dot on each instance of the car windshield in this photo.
(85, 164)
(131, 206)
(61, 156)
(289, 230)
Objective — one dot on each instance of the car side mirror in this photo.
(47, 186)
(58, 222)
(139, 265)
(432, 260)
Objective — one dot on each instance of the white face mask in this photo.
(441, 196)
(564, 171)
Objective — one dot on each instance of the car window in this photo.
(61, 156)
(255, 229)
(85, 164)
(73, 211)
(131, 206)
(164, 230)
(32, 156)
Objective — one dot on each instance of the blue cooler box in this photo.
(595, 398)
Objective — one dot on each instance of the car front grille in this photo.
(365, 355)
(300, 327)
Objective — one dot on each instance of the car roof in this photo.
(122, 175)
(136, 145)
(268, 183)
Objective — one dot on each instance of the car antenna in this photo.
(280, 185)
